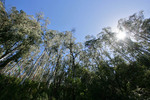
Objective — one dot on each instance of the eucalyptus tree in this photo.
(94, 52)
(136, 42)
(137, 28)
(56, 49)
(18, 33)
(101, 68)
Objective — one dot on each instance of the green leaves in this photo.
(19, 33)
(51, 65)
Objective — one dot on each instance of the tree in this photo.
(47, 64)
(18, 33)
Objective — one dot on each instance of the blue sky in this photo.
(88, 17)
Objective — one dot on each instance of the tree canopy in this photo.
(45, 64)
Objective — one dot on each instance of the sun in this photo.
(121, 35)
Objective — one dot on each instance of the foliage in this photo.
(18, 33)
(50, 65)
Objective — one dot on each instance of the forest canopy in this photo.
(45, 64)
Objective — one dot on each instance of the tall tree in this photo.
(18, 33)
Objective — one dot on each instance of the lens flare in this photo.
(121, 35)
